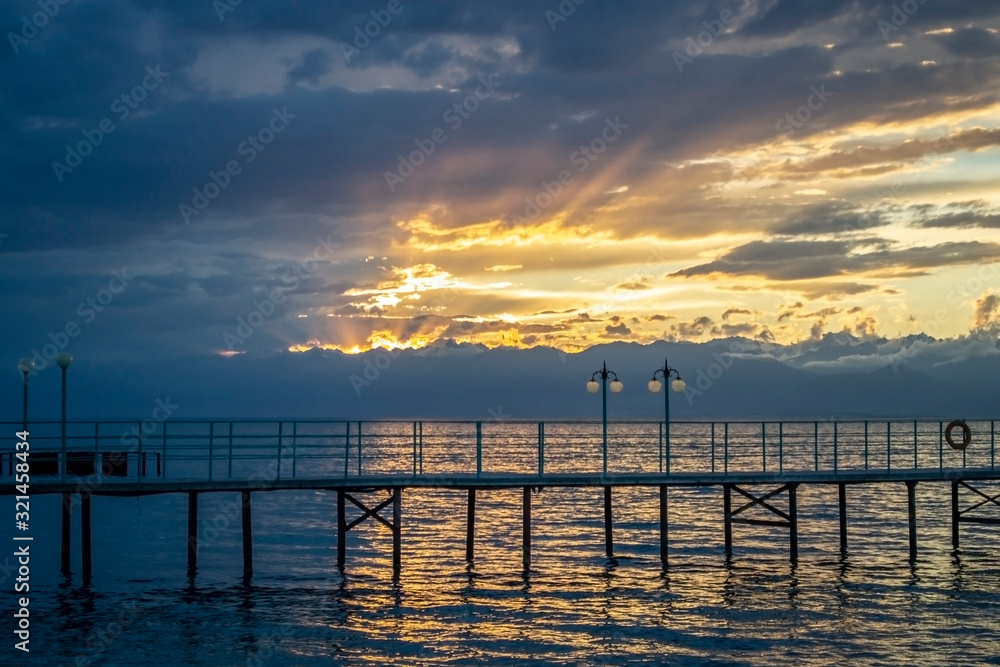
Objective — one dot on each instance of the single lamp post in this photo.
(25, 365)
(677, 385)
(616, 387)
(64, 360)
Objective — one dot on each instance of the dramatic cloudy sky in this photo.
(515, 172)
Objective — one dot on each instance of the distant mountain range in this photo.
(836, 376)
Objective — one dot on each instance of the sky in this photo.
(221, 178)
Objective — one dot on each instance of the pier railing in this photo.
(320, 449)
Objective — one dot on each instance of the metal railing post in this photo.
(866, 443)
(414, 448)
(888, 439)
(479, 448)
(888, 450)
(725, 449)
(211, 438)
(763, 445)
(230, 450)
(295, 433)
(659, 445)
(781, 446)
(941, 445)
(164, 450)
(347, 446)
(541, 448)
(713, 446)
(281, 434)
(835, 445)
(359, 449)
(816, 446)
(141, 464)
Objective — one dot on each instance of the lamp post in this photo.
(25, 365)
(677, 385)
(64, 360)
(616, 387)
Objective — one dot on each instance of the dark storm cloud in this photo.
(895, 156)
(806, 260)
(617, 330)
(730, 312)
(835, 217)
(221, 78)
(972, 43)
(957, 215)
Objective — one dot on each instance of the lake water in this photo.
(572, 608)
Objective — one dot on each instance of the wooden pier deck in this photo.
(369, 464)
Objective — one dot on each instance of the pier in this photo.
(759, 467)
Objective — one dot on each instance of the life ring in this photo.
(966, 434)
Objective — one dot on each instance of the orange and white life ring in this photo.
(966, 434)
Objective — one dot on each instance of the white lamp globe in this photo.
(593, 386)
(25, 365)
(616, 386)
(655, 386)
(64, 360)
(678, 385)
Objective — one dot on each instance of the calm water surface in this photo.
(573, 608)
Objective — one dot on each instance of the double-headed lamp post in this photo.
(677, 385)
(64, 360)
(25, 365)
(616, 386)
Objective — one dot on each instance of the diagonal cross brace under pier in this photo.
(788, 519)
(394, 499)
(959, 515)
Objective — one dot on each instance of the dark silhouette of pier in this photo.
(759, 467)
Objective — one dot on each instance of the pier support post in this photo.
(192, 533)
(793, 523)
(397, 530)
(663, 524)
(341, 530)
(85, 534)
(954, 513)
(609, 540)
(470, 527)
(67, 515)
(911, 508)
(247, 536)
(526, 531)
(842, 501)
(727, 510)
